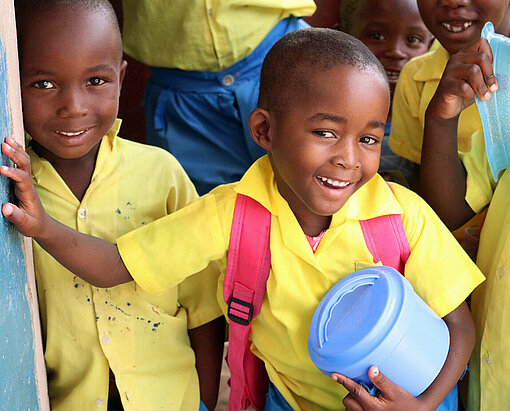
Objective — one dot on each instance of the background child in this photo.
(71, 73)
(468, 189)
(205, 60)
(394, 31)
(456, 25)
(319, 179)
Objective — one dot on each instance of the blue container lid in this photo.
(495, 112)
(355, 316)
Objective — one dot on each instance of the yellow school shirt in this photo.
(416, 86)
(86, 329)
(202, 35)
(489, 385)
(441, 273)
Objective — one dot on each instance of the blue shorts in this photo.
(276, 402)
(202, 117)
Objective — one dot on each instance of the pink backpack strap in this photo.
(248, 264)
(386, 240)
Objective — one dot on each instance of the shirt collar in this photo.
(437, 58)
(373, 199)
(44, 174)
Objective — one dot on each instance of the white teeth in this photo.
(457, 29)
(334, 183)
(65, 133)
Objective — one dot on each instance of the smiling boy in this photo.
(323, 103)
(115, 347)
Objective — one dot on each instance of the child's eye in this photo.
(96, 81)
(43, 84)
(368, 140)
(325, 134)
(376, 36)
(414, 39)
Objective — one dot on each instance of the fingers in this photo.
(351, 404)
(13, 214)
(358, 396)
(15, 152)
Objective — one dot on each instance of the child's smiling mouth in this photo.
(72, 133)
(456, 26)
(330, 183)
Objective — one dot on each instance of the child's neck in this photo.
(76, 172)
(315, 226)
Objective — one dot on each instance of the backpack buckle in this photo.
(240, 311)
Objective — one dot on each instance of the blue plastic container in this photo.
(495, 112)
(374, 317)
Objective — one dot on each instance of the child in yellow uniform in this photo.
(469, 188)
(324, 99)
(394, 31)
(455, 25)
(97, 183)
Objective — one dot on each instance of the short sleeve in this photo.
(438, 268)
(480, 183)
(406, 126)
(163, 253)
(197, 294)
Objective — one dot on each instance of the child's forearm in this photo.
(95, 260)
(207, 341)
(442, 175)
(462, 340)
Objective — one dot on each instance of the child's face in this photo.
(458, 23)
(71, 74)
(326, 144)
(394, 31)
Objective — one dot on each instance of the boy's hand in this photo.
(467, 73)
(391, 396)
(29, 216)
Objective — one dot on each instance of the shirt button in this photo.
(228, 80)
(82, 213)
(500, 272)
(100, 402)
(488, 360)
(209, 12)
(105, 340)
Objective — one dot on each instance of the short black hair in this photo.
(294, 58)
(26, 9)
(349, 12)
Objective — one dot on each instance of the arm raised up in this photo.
(443, 177)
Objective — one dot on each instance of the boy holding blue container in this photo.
(324, 100)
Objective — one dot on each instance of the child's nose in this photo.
(347, 156)
(453, 4)
(72, 104)
(397, 49)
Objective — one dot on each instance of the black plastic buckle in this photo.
(235, 318)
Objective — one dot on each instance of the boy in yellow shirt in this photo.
(117, 347)
(470, 188)
(324, 99)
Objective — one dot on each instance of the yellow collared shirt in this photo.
(489, 385)
(441, 273)
(416, 86)
(202, 35)
(88, 330)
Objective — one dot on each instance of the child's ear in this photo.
(259, 124)
(122, 73)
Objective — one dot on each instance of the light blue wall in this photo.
(18, 389)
